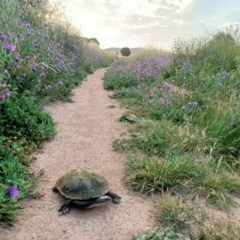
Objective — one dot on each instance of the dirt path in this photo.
(86, 130)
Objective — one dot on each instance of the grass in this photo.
(220, 231)
(161, 234)
(178, 212)
(184, 124)
(42, 58)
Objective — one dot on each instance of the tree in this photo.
(94, 40)
(125, 52)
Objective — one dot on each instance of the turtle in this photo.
(84, 188)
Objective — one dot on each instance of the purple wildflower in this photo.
(45, 25)
(5, 94)
(4, 84)
(165, 100)
(42, 74)
(17, 57)
(151, 94)
(33, 68)
(5, 71)
(3, 36)
(168, 86)
(225, 74)
(220, 84)
(13, 191)
(192, 104)
(27, 25)
(48, 87)
(10, 46)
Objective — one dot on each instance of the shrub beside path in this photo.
(86, 130)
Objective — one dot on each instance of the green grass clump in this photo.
(220, 231)
(161, 234)
(177, 212)
(151, 174)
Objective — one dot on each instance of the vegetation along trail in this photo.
(86, 130)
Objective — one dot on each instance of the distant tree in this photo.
(125, 52)
(91, 41)
(94, 40)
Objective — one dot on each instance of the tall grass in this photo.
(185, 133)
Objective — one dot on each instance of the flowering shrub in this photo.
(40, 60)
(123, 75)
(4, 91)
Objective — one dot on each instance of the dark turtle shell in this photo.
(82, 184)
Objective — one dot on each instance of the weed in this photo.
(152, 174)
(177, 212)
(161, 234)
(220, 231)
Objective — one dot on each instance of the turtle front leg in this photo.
(65, 208)
(114, 196)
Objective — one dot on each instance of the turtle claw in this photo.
(64, 210)
(116, 200)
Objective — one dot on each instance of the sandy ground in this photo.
(86, 130)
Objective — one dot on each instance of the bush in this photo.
(126, 52)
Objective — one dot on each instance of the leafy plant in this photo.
(220, 231)
(161, 234)
(13, 172)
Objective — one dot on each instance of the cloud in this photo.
(176, 5)
(140, 22)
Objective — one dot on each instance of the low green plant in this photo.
(12, 172)
(161, 234)
(128, 117)
(177, 212)
(220, 231)
(158, 175)
(215, 181)
(22, 118)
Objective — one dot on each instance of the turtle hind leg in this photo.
(65, 208)
(114, 196)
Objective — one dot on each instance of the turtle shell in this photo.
(82, 184)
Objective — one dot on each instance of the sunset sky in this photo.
(146, 23)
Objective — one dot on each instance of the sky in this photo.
(149, 23)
